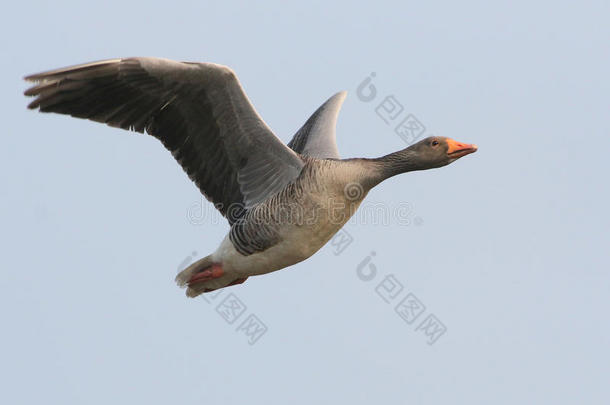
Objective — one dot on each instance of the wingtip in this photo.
(30, 78)
(30, 92)
(337, 97)
(68, 70)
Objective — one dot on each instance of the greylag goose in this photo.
(282, 202)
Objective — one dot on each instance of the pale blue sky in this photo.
(509, 251)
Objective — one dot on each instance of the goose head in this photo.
(429, 153)
(436, 151)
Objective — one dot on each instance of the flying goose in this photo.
(283, 203)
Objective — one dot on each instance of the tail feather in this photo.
(197, 289)
(185, 275)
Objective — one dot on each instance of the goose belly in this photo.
(297, 243)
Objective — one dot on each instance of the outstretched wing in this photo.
(199, 111)
(317, 137)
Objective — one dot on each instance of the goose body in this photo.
(283, 202)
(303, 222)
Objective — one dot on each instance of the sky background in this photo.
(507, 248)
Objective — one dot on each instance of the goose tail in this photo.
(183, 278)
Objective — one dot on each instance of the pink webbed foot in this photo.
(210, 273)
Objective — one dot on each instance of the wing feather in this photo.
(317, 137)
(199, 112)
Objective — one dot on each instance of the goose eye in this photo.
(434, 143)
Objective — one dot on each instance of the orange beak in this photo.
(458, 149)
